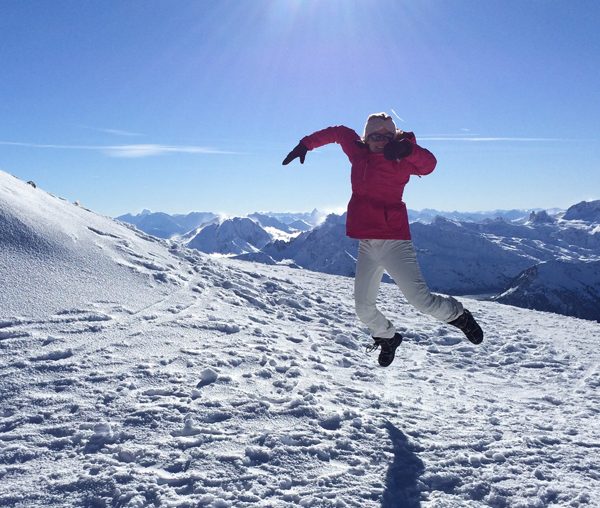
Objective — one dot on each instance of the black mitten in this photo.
(299, 151)
(397, 149)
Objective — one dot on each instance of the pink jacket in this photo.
(376, 209)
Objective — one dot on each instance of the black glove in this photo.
(299, 151)
(397, 149)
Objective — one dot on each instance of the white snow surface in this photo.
(173, 379)
(55, 255)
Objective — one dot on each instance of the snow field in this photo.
(249, 387)
(134, 374)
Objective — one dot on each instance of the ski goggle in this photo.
(380, 137)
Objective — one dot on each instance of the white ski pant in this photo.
(399, 259)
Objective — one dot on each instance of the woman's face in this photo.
(378, 139)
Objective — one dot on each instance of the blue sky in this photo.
(192, 105)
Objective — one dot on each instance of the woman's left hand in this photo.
(399, 149)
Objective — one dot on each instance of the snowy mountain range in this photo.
(163, 225)
(495, 254)
(429, 215)
(136, 372)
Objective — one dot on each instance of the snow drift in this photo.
(56, 254)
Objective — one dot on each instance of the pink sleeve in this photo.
(340, 134)
(422, 160)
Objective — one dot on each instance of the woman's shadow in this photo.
(402, 490)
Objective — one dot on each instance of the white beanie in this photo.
(378, 121)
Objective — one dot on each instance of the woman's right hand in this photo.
(299, 151)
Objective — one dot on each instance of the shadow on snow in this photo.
(401, 481)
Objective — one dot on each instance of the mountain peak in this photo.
(237, 235)
(588, 211)
(541, 217)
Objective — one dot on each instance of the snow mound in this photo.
(55, 254)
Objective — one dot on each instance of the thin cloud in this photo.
(116, 132)
(126, 151)
(475, 139)
(396, 115)
(149, 150)
(40, 145)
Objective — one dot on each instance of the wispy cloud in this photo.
(116, 132)
(479, 139)
(149, 150)
(126, 151)
(45, 145)
(396, 115)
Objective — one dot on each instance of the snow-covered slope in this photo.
(55, 255)
(457, 259)
(233, 384)
(558, 286)
(300, 225)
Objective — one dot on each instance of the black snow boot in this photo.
(388, 348)
(466, 322)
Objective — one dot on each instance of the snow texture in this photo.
(164, 377)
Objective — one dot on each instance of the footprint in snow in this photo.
(53, 355)
(164, 392)
(51, 340)
(207, 377)
(102, 233)
(216, 416)
(447, 340)
(9, 323)
(227, 328)
(346, 341)
(331, 422)
(13, 334)
(189, 429)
